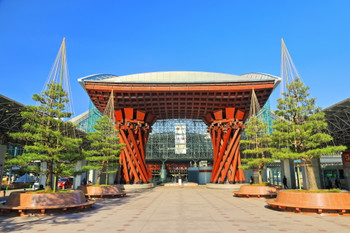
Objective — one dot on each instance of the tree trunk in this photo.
(260, 176)
(48, 181)
(98, 180)
(55, 182)
(118, 176)
(311, 176)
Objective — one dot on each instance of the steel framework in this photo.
(338, 119)
(10, 117)
(161, 143)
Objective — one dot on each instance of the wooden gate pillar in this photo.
(133, 128)
(225, 128)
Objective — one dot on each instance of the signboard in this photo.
(180, 138)
(346, 168)
(346, 157)
(180, 149)
(0, 175)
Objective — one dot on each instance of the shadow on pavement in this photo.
(10, 223)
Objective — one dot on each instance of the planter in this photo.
(38, 203)
(136, 187)
(187, 184)
(306, 202)
(256, 191)
(102, 191)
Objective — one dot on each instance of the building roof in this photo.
(175, 95)
(179, 77)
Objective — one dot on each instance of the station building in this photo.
(180, 142)
(221, 101)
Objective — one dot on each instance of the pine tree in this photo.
(105, 148)
(256, 146)
(300, 133)
(48, 138)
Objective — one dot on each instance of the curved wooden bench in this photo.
(25, 202)
(102, 191)
(256, 191)
(312, 202)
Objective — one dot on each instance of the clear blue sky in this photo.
(127, 37)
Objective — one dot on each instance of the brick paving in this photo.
(174, 209)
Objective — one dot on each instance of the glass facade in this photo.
(161, 143)
(162, 140)
(13, 151)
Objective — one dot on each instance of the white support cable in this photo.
(254, 105)
(109, 110)
(289, 71)
(58, 73)
(54, 70)
(67, 86)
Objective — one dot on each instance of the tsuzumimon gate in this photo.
(222, 101)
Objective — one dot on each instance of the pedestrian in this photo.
(329, 183)
(285, 186)
(251, 180)
(83, 182)
(337, 183)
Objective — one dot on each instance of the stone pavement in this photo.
(174, 209)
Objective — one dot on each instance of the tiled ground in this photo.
(173, 209)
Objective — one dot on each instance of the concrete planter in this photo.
(27, 202)
(102, 191)
(256, 191)
(136, 187)
(307, 202)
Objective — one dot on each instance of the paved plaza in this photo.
(174, 209)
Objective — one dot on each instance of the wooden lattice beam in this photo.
(133, 131)
(225, 131)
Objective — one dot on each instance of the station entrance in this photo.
(176, 148)
(221, 101)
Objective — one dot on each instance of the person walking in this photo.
(285, 186)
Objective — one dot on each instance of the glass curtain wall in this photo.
(162, 141)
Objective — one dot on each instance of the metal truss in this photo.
(338, 119)
(10, 115)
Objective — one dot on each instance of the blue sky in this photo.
(127, 37)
